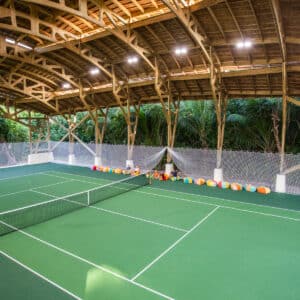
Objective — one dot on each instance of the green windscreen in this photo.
(37, 213)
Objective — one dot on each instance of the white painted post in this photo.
(129, 163)
(98, 161)
(169, 168)
(71, 159)
(280, 183)
(218, 174)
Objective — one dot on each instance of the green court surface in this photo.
(160, 241)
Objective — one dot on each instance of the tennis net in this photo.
(23, 217)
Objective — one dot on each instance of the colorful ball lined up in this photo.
(263, 190)
(211, 183)
(236, 186)
(224, 185)
(188, 180)
(118, 171)
(200, 181)
(250, 188)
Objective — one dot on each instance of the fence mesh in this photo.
(241, 166)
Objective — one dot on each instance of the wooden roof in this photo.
(46, 43)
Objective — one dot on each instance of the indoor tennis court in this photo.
(149, 149)
(148, 242)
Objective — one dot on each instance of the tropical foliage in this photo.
(252, 125)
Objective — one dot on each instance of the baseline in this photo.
(39, 275)
(216, 198)
(192, 194)
(88, 262)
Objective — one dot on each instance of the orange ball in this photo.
(263, 190)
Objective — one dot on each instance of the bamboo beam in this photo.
(220, 99)
(280, 29)
(284, 115)
(100, 129)
(293, 101)
(122, 96)
(72, 135)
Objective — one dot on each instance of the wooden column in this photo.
(100, 129)
(284, 115)
(132, 123)
(48, 138)
(172, 111)
(30, 132)
(220, 99)
(170, 108)
(72, 124)
(122, 96)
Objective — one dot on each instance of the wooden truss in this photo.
(123, 98)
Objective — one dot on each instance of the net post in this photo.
(88, 198)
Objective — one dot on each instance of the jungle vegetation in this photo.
(252, 124)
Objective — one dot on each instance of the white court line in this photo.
(63, 197)
(42, 186)
(80, 180)
(223, 199)
(32, 174)
(199, 195)
(88, 262)
(223, 206)
(40, 276)
(14, 166)
(120, 214)
(174, 244)
(83, 176)
(211, 204)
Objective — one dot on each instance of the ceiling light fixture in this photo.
(24, 46)
(132, 59)
(244, 44)
(66, 85)
(10, 41)
(181, 50)
(94, 71)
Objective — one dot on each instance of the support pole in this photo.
(280, 186)
(71, 158)
(220, 99)
(170, 108)
(30, 132)
(99, 134)
(121, 94)
(284, 115)
(132, 128)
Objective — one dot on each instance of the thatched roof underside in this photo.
(65, 39)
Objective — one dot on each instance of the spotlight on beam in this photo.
(94, 71)
(181, 50)
(132, 59)
(248, 44)
(24, 46)
(10, 41)
(66, 85)
(244, 44)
